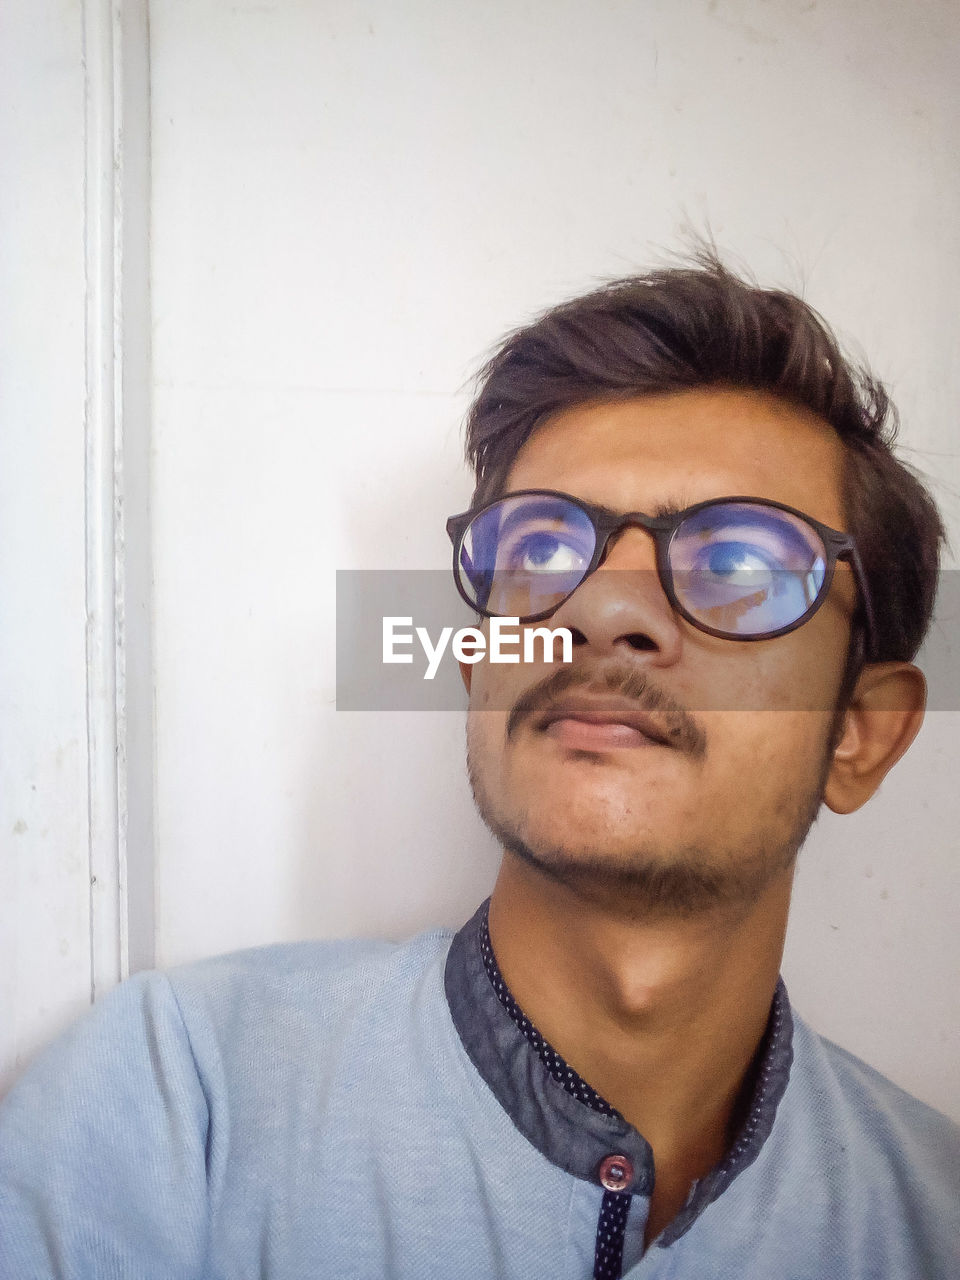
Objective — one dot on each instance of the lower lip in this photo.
(586, 735)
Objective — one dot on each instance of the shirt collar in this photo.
(560, 1113)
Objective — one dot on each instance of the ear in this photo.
(883, 717)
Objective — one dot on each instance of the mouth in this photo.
(585, 723)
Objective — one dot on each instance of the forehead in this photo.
(685, 447)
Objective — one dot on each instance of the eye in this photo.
(734, 561)
(543, 552)
(747, 570)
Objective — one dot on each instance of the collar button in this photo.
(615, 1173)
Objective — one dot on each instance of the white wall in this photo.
(45, 941)
(351, 202)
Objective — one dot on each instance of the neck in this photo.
(663, 1017)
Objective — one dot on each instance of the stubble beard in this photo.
(653, 883)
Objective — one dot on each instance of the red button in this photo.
(615, 1173)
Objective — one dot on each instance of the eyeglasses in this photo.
(739, 568)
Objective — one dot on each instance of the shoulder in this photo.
(304, 967)
(292, 991)
(324, 981)
(193, 1021)
(890, 1137)
(148, 1102)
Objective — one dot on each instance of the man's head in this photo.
(657, 393)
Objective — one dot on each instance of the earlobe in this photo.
(883, 718)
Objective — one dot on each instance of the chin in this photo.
(590, 839)
(607, 829)
(599, 814)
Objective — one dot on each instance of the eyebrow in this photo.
(542, 507)
(660, 510)
(671, 507)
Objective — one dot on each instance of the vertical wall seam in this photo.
(103, 482)
(118, 560)
(137, 720)
(119, 511)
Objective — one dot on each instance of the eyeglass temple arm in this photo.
(856, 564)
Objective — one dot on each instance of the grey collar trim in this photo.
(571, 1134)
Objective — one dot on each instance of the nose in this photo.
(622, 609)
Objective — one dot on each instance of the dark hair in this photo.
(700, 325)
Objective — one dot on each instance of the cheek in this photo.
(777, 677)
(496, 686)
(489, 691)
(486, 735)
(767, 755)
(486, 730)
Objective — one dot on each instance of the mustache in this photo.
(681, 728)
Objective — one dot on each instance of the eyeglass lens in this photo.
(741, 569)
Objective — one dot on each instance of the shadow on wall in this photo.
(389, 839)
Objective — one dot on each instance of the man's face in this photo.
(721, 808)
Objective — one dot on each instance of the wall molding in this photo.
(119, 666)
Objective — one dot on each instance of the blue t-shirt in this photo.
(365, 1110)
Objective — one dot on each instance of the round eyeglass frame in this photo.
(607, 524)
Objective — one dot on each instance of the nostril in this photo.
(637, 640)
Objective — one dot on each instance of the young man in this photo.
(600, 1075)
